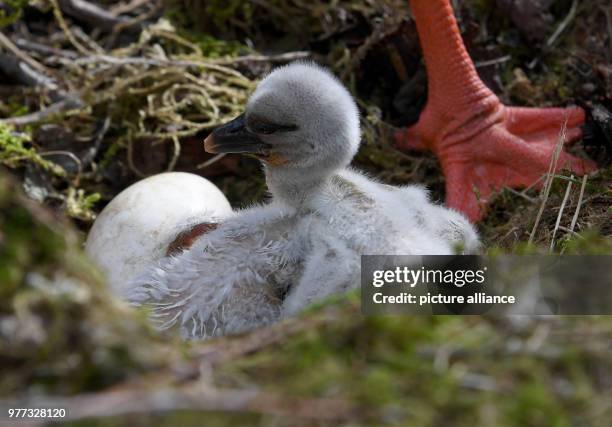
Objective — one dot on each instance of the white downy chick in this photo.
(271, 261)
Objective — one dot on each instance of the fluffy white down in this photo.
(272, 261)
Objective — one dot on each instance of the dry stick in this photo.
(283, 57)
(211, 161)
(568, 231)
(44, 49)
(175, 153)
(127, 7)
(561, 209)
(216, 65)
(222, 350)
(549, 178)
(90, 13)
(196, 396)
(58, 107)
(71, 156)
(31, 73)
(555, 36)
(493, 61)
(91, 44)
(130, 398)
(23, 71)
(568, 19)
(10, 46)
(387, 26)
(97, 141)
(606, 11)
(130, 158)
(520, 194)
(57, 12)
(26, 75)
(134, 24)
(575, 218)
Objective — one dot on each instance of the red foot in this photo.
(482, 145)
(510, 146)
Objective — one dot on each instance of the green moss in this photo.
(395, 370)
(13, 107)
(11, 11)
(212, 47)
(535, 406)
(80, 205)
(62, 330)
(589, 242)
(14, 151)
(216, 14)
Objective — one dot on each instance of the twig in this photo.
(211, 161)
(554, 37)
(58, 107)
(521, 194)
(31, 77)
(59, 17)
(494, 61)
(10, 46)
(561, 209)
(478, 382)
(157, 62)
(283, 57)
(563, 25)
(66, 153)
(569, 231)
(579, 205)
(513, 229)
(91, 13)
(535, 184)
(130, 159)
(608, 13)
(97, 140)
(224, 349)
(136, 23)
(196, 396)
(388, 25)
(127, 7)
(176, 152)
(91, 44)
(189, 63)
(549, 179)
(44, 49)
(22, 72)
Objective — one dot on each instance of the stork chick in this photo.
(271, 261)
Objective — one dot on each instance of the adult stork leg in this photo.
(482, 144)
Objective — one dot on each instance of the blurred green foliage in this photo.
(11, 11)
(61, 331)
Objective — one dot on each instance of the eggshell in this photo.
(136, 227)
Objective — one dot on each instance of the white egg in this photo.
(136, 227)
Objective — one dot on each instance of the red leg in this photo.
(482, 145)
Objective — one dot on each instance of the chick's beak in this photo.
(234, 137)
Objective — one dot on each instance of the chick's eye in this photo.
(266, 128)
(263, 128)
